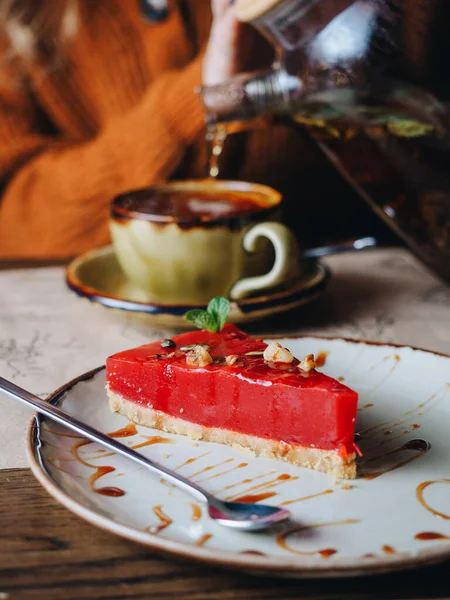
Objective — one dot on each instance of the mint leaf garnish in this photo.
(202, 320)
(219, 307)
(213, 318)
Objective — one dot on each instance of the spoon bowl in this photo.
(249, 517)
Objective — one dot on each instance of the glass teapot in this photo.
(337, 55)
(364, 77)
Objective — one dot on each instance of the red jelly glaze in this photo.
(274, 401)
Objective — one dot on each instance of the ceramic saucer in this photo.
(98, 277)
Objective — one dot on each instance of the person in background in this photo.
(97, 98)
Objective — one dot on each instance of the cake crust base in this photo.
(327, 461)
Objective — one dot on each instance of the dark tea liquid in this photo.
(395, 152)
(186, 205)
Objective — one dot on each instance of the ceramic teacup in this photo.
(187, 241)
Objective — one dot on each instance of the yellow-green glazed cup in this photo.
(180, 256)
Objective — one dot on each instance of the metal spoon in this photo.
(246, 517)
(339, 248)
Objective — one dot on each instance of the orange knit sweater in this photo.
(121, 114)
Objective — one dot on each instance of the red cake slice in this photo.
(229, 388)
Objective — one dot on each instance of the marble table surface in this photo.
(48, 335)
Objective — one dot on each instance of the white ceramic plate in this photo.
(389, 518)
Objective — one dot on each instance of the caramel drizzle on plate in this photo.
(254, 498)
(243, 482)
(151, 440)
(295, 500)
(189, 461)
(239, 466)
(420, 493)
(262, 487)
(430, 535)
(365, 407)
(164, 520)
(203, 539)
(418, 445)
(100, 471)
(127, 431)
(196, 512)
(211, 467)
(418, 411)
(283, 537)
(391, 371)
(390, 438)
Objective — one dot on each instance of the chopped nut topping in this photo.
(199, 356)
(277, 354)
(187, 348)
(233, 360)
(255, 353)
(308, 363)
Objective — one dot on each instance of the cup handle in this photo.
(286, 265)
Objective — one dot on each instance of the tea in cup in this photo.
(187, 241)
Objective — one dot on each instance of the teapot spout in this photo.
(248, 96)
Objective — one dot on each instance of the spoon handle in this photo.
(61, 417)
(349, 246)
